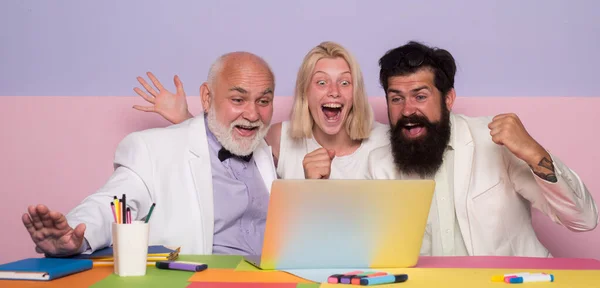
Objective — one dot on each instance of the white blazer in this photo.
(170, 167)
(494, 190)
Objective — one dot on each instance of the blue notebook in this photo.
(43, 268)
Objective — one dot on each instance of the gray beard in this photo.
(224, 134)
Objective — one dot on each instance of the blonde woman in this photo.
(331, 129)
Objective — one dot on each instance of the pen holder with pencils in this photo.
(130, 248)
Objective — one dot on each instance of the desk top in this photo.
(447, 271)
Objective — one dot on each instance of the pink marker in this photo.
(112, 206)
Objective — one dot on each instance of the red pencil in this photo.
(128, 216)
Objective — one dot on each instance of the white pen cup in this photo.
(130, 248)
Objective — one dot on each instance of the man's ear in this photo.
(205, 97)
(450, 97)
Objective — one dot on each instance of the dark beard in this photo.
(424, 155)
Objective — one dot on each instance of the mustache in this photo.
(417, 120)
(246, 123)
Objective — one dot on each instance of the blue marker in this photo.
(384, 279)
(533, 278)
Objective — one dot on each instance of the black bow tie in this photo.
(224, 154)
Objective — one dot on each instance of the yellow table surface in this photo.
(466, 278)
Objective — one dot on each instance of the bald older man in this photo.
(209, 176)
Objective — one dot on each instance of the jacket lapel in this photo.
(463, 162)
(263, 157)
(202, 174)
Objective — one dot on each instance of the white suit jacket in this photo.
(170, 167)
(494, 192)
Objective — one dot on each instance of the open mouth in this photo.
(332, 111)
(246, 131)
(414, 130)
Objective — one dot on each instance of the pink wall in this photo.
(57, 150)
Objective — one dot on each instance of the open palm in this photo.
(51, 233)
(172, 107)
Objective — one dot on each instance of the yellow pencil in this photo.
(117, 208)
(121, 220)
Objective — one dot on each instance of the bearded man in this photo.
(489, 172)
(209, 176)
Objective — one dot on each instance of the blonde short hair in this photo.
(360, 118)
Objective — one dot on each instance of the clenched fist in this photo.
(317, 164)
(507, 130)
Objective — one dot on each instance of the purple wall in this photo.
(503, 48)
